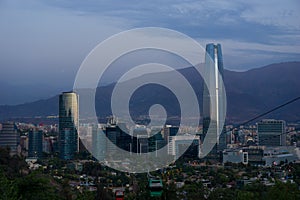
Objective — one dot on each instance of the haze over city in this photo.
(45, 42)
(126, 100)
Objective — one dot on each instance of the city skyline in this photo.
(45, 40)
(173, 99)
(269, 167)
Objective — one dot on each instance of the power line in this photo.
(272, 110)
(265, 113)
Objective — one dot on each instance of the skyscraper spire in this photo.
(213, 101)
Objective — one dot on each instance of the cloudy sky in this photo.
(45, 41)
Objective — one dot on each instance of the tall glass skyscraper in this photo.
(35, 144)
(68, 125)
(214, 112)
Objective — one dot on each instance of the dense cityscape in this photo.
(72, 160)
(255, 164)
(149, 100)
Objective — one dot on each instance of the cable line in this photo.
(265, 113)
(272, 110)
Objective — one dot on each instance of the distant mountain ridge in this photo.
(255, 91)
(248, 93)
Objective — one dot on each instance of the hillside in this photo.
(248, 93)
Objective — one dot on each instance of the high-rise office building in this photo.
(68, 125)
(125, 139)
(9, 137)
(112, 133)
(117, 134)
(271, 132)
(169, 130)
(35, 143)
(98, 142)
(183, 145)
(156, 141)
(140, 140)
(213, 112)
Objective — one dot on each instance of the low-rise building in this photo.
(235, 156)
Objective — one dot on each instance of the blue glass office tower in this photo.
(68, 125)
(35, 144)
(213, 115)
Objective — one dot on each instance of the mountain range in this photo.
(249, 94)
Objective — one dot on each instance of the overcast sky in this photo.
(45, 41)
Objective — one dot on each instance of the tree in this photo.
(222, 193)
(86, 195)
(284, 191)
(13, 166)
(195, 191)
(170, 192)
(36, 186)
(245, 195)
(8, 189)
(102, 193)
(257, 189)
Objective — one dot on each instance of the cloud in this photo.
(218, 18)
(39, 42)
(73, 27)
(282, 14)
(241, 56)
(45, 40)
